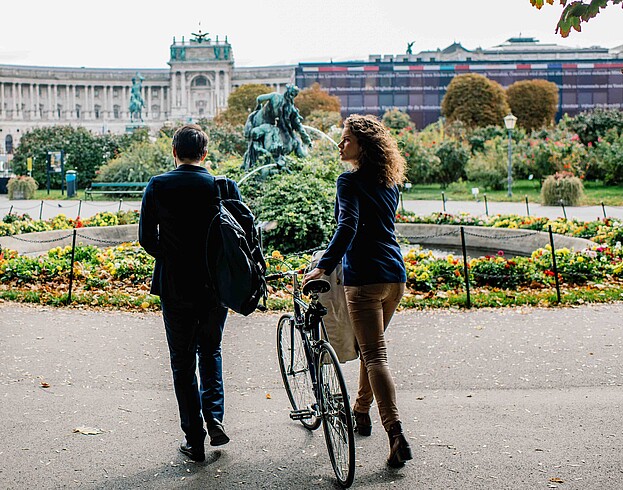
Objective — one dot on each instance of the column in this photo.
(124, 103)
(2, 100)
(148, 112)
(37, 89)
(217, 91)
(18, 100)
(73, 102)
(173, 92)
(111, 102)
(183, 90)
(55, 114)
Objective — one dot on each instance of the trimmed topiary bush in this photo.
(562, 187)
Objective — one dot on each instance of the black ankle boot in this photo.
(399, 449)
(363, 423)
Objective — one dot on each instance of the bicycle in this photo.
(312, 375)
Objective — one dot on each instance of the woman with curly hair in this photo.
(374, 271)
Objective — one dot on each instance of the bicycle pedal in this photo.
(301, 414)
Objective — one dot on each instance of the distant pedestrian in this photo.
(173, 229)
(374, 270)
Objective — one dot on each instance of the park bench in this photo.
(124, 188)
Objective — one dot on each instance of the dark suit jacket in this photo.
(173, 228)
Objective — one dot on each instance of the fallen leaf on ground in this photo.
(43, 384)
(556, 480)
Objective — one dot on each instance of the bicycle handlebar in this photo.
(280, 275)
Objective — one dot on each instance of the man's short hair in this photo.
(190, 143)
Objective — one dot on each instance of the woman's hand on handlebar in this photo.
(313, 274)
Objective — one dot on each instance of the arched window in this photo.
(78, 111)
(200, 81)
(155, 111)
(8, 143)
(116, 111)
(98, 110)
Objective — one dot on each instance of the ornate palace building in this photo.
(201, 75)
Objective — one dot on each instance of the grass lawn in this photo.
(594, 192)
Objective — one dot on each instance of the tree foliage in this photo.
(85, 151)
(241, 102)
(575, 12)
(324, 120)
(139, 162)
(396, 119)
(594, 124)
(474, 100)
(534, 102)
(315, 99)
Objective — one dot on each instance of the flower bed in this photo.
(607, 231)
(13, 224)
(119, 277)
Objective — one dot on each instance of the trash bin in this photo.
(70, 179)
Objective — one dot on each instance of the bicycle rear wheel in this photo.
(295, 371)
(336, 415)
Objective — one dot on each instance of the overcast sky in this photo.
(138, 33)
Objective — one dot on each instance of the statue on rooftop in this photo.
(410, 47)
(274, 129)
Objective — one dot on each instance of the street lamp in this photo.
(509, 122)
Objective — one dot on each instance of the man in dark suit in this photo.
(173, 228)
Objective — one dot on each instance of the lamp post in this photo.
(509, 122)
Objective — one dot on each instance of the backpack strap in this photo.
(222, 187)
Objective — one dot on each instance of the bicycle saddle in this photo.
(316, 286)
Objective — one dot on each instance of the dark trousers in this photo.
(194, 331)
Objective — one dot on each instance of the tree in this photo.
(241, 102)
(534, 102)
(396, 119)
(315, 99)
(575, 12)
(324, 120)
(474, 100)
(85, 151)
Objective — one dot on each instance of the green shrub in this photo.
(453, 157)
(489, 168)
(397, 120)
(139, 162)
(562, 187)
(608, 155)
(591, 125)
(21, 187)
(420, 157)
(301, 203)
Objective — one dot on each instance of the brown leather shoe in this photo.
(363, 423)
(399, 448)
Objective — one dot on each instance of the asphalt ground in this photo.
(518, 398)
(86, 209)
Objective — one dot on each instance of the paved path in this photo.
(491, 399)
(89, 208)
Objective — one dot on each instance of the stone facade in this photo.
(200, 78)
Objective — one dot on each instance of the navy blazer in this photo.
(173, 228)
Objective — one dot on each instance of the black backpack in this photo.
(233, 253)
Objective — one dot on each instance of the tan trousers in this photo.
(371, 307)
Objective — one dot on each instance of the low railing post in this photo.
(465, 268)
(71, 266)
(554, 266)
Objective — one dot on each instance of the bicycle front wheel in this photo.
(336, 415)
(295, 371)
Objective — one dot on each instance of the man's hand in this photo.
(313, 274)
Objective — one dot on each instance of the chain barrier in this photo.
(16, 237)
(101, 240)
(504, 238)
(422, 237)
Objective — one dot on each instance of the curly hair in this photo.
(379, 150)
